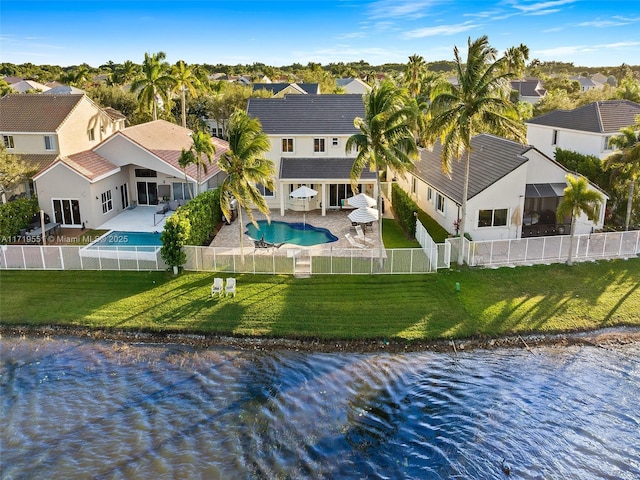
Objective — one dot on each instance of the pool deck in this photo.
(139, 219)
(336, 221)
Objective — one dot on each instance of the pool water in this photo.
(128, 240)
(301, 234)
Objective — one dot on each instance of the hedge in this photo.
(16, 215)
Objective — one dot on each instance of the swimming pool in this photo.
(301, 234)
(126, 245)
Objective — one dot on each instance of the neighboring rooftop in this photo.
(35, 113)
(530, 87)
(607, 116)
(491, 159)
(308, 114)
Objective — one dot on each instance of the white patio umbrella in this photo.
(306, 193)
(361, 200)
(364, 215)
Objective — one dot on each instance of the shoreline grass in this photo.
(525, 300)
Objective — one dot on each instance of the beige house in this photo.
(41, 128)
(134, 166)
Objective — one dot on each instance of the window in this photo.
(335, 142)
(439, 202)
(264, 190)
(146, 173)
(48, 142)
(318, 145)
(554, 138)
(492, 218)
(124, 195)
(429, 194)
(414, 185)
(107, 205)
(607, 146)
(287, 145)
(91, 134)
(8, 141)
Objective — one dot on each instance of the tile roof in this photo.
(166, 141)
(528, 88)
(607, 116)
(24, 86)
(89, 164)
(35, 113)
(491, 159)
(307, 114)
(320, 168)
(37, 162)
(114, 114)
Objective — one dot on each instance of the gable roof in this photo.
(607, 116)
(35, 113)
(87, 164)
(166, 140)
(26, 85)
(491, 159)
(529, 87)
(63, 90)
(307, 114)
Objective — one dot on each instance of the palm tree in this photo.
(154, 82)
(187, 157)
(479, 103)
(185, 80)
(245, 167)
(203, 149)
(578, 198)
(624, 163)
(516, 58)
(414, 74)
(386, 137)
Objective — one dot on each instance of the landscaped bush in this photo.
(174, 237)
(202, 214)
(403, 208)
(15, 215)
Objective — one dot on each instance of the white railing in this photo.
(553, 249)
(439, 253)
(268, 261)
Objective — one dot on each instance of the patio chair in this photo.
(353, 242)
(216, 288)
(173, 205)
(230, 286)
(362, 237)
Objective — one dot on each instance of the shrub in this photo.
(174, 237)
(15, 215)
(403, 208)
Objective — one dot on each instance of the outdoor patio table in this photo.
(35, 235)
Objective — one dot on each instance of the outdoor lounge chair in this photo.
(362, 237)
(216, 288)
(353, 242)
(230, 287)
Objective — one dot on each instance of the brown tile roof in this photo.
(166, 141)
(607, 116)
(89, 164)
(35, 113)
(114, 114)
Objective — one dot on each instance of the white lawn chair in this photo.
(230, 287)
(353, 242)
(216, 288)
(362, 237)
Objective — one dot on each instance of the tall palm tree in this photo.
(203, 151)
(414, 74)
(187, 157)
(578, 198)
(479, 103)
(386, 137)
(155, 81)
(185, 81)
(245, 167)
(516, 58)
(624, 163)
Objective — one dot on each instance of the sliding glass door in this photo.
(147, 193)
(67, 212)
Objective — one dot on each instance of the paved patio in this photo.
(139, 219)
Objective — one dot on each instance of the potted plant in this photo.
(174, 236)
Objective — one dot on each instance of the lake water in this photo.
(74, 408)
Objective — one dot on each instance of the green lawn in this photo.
(490, 302)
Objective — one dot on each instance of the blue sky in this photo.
(281, 32)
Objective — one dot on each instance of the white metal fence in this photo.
(552, 249)
(439, 253)
(268, 261)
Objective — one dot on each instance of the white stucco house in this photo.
(585, 130)
(529, 90)
(135, 166)
(308, 134)
(353, 85)
(514, 191)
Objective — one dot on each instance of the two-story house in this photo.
(308, 134)
(41, 128)
(585, 130)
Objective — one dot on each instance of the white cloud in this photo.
(544, 12)
(440, 30)
(602, 23)
(404, 8)
(540, 6)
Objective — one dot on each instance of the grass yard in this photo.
(540, 299)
